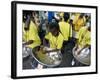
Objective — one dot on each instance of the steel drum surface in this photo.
(83, 57)
(50, 59)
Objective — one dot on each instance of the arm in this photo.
(29, 42)
(76, 45)
(83, 48)
(45, 42)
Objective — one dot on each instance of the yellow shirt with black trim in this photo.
(65, 29)
(32, 34)
(84, 37)
(55, 42)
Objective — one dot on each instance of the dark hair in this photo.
(53, 25)
(26, 13)
(66, 16)
(81, 16)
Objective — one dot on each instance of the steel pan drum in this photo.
(84, 56)
(50, 59)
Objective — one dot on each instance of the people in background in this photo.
(65, 27)
(54, 37)
(79, 21)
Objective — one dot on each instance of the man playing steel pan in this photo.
(81, 51)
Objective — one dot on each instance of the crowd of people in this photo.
(56, 30)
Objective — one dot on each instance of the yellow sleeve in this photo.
(81, 31)
(47, 36)
(60, 41)
(69, 30)
(33, 33)
(88, 42)
(31, 36)
(78, 33)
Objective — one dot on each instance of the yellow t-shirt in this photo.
(65, 29)
(32, 34)
(76, 16)
(78, 23)
(55, 42)
(84, 37)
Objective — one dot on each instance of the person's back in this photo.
(65, 29)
